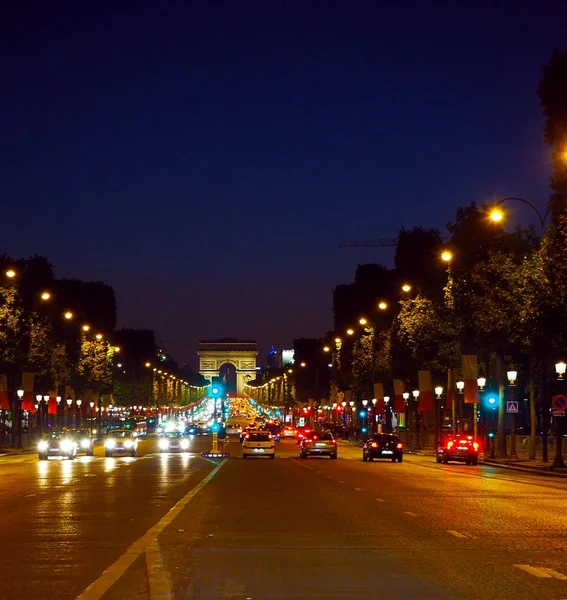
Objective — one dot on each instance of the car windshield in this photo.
(120, 434)
(173, 434)
(259, 437)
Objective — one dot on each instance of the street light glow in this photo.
(303, 364)
(496, 215)
(447, 256)
(98, 336)
(382, 305)
(10, 273)
(350, 331)
(406, 287)
(86, 327)
(326, 349)
(68, 315)
(338, 340)
(362, 321)
(45, 296)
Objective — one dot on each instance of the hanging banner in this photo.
(28, 400)
(426, 398)
(399, 404)
(379, 395)
(52, 403)
(4, 396)
(470, 374)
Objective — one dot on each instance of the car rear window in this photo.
(383, 439)
(259, 437)
(324, 436)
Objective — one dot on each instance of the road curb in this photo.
(530, 470)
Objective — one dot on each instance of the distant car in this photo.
(301, 433)
(233, 430)
(289, 432)
(461, 448)
(321, 444)
(193, 430)
(383, 445)
(246, 432)
(57, 444)
(173, 442)
(84, 440)
(258, 443)
(121, 441)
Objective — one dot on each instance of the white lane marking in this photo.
(542, 572)
(341, 481)
(329, 476)
(112, 574)
(533, 571)
(456, 533)
(407, 512)
(160, 587)
(380, 500)
(358, 489)
(29, 495)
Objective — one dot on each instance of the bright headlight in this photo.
(163, 444)
(184, 444)
(66, 446)
(128, 444)
(85, 443)
(42, 446)
(110, 443)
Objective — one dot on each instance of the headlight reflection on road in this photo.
(185, 459)
(67, 469)
(165, 463)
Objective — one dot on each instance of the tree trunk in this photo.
(501, 453)
(544, 414)
(533, 419)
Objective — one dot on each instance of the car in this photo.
(173, 442)
(321, 444)
(246, 432)
(193, 430)
(84, 440)
(383, 445)
(301, 433)
(461, 448)
(258, 443)
(121, 441)
(57, 444)
(233, 430)
(289, 432)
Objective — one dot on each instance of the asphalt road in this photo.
(283, 529)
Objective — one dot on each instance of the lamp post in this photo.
(387, 414)
(38, 399)
(58, 415)
(365, 419)
(46, 412)
(17, 420)
(460, 387)
(91, 404)
(497, 215)
(481, 382)
(512, 376)
(438, 414)
(415, 395)
(558, 462)
(351, 404)
(78, 419)
(409, 432)
(69, 402)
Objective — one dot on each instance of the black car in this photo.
(57, 444)
(383, 445)
(459, 448)
(84, 439)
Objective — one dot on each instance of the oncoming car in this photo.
(173, 442)
(84, 440)
(57, 444)
(121, 441)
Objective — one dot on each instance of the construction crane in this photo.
(379, 243)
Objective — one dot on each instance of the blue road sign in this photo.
(512, 406)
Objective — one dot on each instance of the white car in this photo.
(121, 441)
(233, 430)
(258, 443)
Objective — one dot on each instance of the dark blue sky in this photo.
(206, 158)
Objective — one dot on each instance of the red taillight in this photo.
(450, 444)
(374, 445)
(475, 445)
(400, 445)
(333, 441)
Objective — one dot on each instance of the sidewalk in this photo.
(529, 466)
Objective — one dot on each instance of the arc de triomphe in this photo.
(240, 354)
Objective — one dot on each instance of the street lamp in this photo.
(560, 370)
(350, 331)
(497, 214)
(338, 340)
(438, 392)
(85, 328)
(447, 256)
(382, 305)
(481, 382)
(558, 461)
(512, 375)
(78, 418)
(326, 349)
(460, 386)
(45, 296)
(362, 321)
(68, 315)
(10, 273)
(406, 288)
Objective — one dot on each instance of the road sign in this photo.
(512, 406)
(559, 402)
(558, 413)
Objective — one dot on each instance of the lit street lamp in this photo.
(558, 462)
(415, 395)
(512, 376)
(78, 418)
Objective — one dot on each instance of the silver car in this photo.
(322, 444)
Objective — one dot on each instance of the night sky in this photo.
(206, 158)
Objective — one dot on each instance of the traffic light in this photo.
(216, 390)
(491, 399)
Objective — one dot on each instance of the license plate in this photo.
(320, 445)
(258, 449)
(387, 452)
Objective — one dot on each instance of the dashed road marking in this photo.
(160, 587)
(29, 495)
(542, 572)
(456, 533)
(380, 500)
(98, 588)
(358, 489)
(341, 481)
(407, 512)
(329, 476)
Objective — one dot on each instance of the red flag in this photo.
(470, 374)
(399, 404)
(28, 400)
(425, 391)
(379, 395)
(4, 397)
